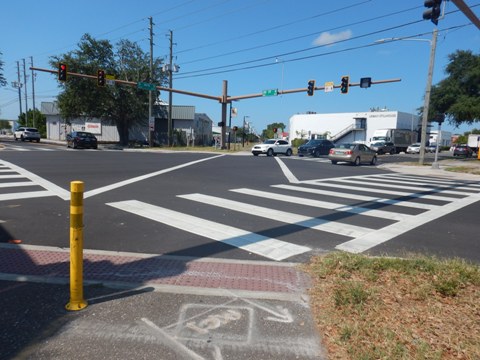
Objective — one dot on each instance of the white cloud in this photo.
(328, 38)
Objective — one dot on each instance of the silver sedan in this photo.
(352, 153)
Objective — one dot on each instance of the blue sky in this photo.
(253, 44)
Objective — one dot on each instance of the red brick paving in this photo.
(233, 275)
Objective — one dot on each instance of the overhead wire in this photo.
(306, 57)
(208, 70)
(299, 37)
(276, 27)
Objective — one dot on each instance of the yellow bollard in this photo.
(77, 302)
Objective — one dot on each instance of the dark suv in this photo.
(463, 150)
(383, 147)
(315, 147)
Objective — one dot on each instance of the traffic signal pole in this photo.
(426, 105)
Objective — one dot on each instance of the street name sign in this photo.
(270, 92)
(146, 86)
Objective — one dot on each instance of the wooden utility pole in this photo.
(150, 92)
(170, 94)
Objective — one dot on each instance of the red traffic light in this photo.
(62, 72)
(275, 130)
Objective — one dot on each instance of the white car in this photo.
(26, 133)
(413, 149)
(272, 147)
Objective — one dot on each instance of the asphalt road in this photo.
(211, 205)
(187, 225)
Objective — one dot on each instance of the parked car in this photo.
(381, 147)
(413, 149)
(26, 133)
(355, 154)
(82, 139)
(463, 150)
(432, 148)
(272, 147)
(315, 147)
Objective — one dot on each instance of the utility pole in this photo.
(26, 101)
(224, 102)
(151, 127)
(426, 104)
(19, 88)
(170, 94)
(33, 91)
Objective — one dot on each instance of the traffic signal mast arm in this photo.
(211, 97)
(302, 90)
(132, 83)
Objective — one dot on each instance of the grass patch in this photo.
(391, 308)
(463, 169)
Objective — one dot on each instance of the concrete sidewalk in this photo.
(471, 164)
(153, 307)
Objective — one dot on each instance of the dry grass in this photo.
(387, 308)
(464, 169)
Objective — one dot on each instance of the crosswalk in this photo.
(17, 183)
(359, 212)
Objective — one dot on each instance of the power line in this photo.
(300, 37)
(272, 28)
(302, 50)
(310, 56)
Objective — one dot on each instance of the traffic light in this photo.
(221, 123)
(433, 10)
(345, 84)
(275, 130)
(62, 72)
(101, 78)
(311, 87)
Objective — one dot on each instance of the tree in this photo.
(40, 121)
(458, 95)
(268, 133)
(463, 139)
(126, 106)
(5, 125)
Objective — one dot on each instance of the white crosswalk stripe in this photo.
(323, 204)
(270, 248)
(283, 216)
(376, 199)
(10, 171)
(381, 191)
(419, 201)
(30, 148)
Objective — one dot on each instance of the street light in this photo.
(426, 105)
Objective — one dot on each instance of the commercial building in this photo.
(350, 127)
(190, 128)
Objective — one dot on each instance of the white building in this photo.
(349, 127)
(445, 138)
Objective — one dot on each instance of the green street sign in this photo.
(146, 86)
(270, 92)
